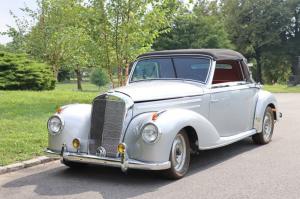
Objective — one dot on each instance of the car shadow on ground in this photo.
(112, 183)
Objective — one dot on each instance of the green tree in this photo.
(202, 28)
(125, 29)
(256, 27)
(45, 40)
(119, 31)
(291, 37)
(17, 34)
(77, 46)
(59, 37)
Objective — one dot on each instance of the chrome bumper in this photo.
(123, 163)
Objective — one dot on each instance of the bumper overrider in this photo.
(124, 162)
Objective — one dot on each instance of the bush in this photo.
(99, 77)
(18, 72)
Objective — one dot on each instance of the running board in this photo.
(223, 141)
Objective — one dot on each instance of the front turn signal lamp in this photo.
(76, 143)
(121, 148)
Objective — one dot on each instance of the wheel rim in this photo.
(178, 152)
(267, 127)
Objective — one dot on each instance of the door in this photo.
(232, 100)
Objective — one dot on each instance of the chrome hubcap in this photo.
(178, 152)
(267, 127)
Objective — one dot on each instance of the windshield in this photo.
(189, 68)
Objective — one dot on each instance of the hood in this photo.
(160, 89)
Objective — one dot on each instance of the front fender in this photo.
(77, 124)
(265, 99)
(169, 123)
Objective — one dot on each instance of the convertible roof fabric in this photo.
(217, 54)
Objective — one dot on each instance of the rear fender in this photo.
(265, 99)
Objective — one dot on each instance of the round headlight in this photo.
(150, 133)
(55, 125)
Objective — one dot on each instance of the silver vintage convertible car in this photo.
(175, 103)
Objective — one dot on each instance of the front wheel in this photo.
(267, 128)
(179, 156)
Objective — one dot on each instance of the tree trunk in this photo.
(110, 74)
(55, 72)
(126, 73)
(258, 72)
(258, 67)
(120, 76)
(78, 75)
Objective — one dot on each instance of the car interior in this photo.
(227, 71)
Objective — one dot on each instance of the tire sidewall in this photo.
(268, 110)
(179, 174)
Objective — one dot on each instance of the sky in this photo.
(7, 19)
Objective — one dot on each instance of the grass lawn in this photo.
(23, 117)
(278, 88)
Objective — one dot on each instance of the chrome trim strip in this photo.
(113, 162)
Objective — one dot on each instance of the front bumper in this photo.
(123, 163)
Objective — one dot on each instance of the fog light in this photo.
(121, 148)
(76, 143)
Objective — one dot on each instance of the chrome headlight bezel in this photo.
(61, 125)
(144, 135)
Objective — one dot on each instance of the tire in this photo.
(267, 128)
(179, 156)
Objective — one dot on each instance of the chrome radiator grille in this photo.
(106, 125)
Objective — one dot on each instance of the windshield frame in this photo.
(172, 57)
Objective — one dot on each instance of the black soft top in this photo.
(216, 54)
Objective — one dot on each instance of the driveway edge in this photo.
(25, 164)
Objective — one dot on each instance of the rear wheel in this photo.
(179, 156)
(267, 128)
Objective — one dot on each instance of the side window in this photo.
(228, 71)
(192, 68)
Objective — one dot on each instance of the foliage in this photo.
(276, 67)
(18, 34)
(99, 77)
(291, 36)
(125, 29)
(198, 29)
(64, 75)
(77, 46)
(17, 72)
(77, 34)
(3, 48)
(256, 27)
(50, 39)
